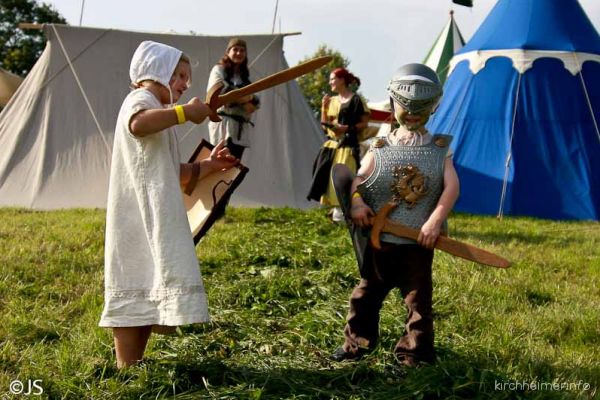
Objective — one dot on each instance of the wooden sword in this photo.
(215, 99)
(380, 223)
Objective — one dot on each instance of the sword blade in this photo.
(454, 247)
(271, 80)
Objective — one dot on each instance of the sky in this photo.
(377, 36)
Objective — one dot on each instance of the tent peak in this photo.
(448, 43)
(557, 25)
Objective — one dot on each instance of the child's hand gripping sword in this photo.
(382, 224)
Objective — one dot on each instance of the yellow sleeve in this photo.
(332, 114)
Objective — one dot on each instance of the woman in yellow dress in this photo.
(343, 116)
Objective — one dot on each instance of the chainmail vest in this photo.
(411, 176)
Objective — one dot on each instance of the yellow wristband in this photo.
(180, 114)
(356, 194)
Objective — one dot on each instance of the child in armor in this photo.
(414, 169)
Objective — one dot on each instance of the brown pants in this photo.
(407, 267)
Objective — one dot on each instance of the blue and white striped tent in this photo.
(522, 101)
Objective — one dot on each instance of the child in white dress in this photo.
(152, 276)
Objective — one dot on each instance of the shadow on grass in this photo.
(505, 237)
(454, 376)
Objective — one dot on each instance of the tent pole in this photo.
(81, 13)
(587, 96)
(30, 25)
(274, 16)
(509, 155)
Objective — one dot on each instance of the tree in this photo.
(20, 49)
(316, 84)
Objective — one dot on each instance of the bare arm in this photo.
(219, 159)
(360, 211)
(431, 228)
(147, 122)
(362, 124)
(185, 174)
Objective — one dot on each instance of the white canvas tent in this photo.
(9, 83)
(56, 132)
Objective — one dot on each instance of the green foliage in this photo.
(316, 84)
(278, 282)
(20, 49)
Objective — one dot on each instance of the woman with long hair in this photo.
(343, 117)
(232, 72)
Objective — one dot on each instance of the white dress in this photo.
(152, 276)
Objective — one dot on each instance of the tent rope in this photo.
(85, 97)
(261, 54)
(74, 58)
(509, 155)
(462, 100)
(455, 116)
(587, 97)
(263, 51)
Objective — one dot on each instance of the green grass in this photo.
(278, 282)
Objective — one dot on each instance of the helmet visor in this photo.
(414, 95)
(416, 106)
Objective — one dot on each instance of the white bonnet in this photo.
(154, 61)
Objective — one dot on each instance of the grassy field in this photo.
(278, 282)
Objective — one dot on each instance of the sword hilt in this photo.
(212, 100)
(378, 223)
